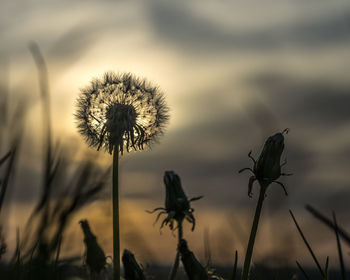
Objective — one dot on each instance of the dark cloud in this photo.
(181, 25)
(312, 102)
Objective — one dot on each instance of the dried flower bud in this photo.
(132, 270)
(267, 169)
(95, 257)
(177, 205)
(175, 198)
(193, 268)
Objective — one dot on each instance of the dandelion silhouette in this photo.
(266, 170)
(118, 113)
(177, 209)
(121, 111)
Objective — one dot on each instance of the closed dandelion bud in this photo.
(177, 205)
(268, 166)
(267, 169)
(132, 270)
(193, 268)
(175, 199)
(95, 256)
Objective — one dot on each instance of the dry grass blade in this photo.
(342, 233)
(340, 253)
(326, 268)
(234, 272)
(307, 244)
(302, 271)
(9, 171)
(207, 251)
(4, 158)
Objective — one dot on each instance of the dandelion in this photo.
(118, 113)
(121, 111)
(266, 170)
(177, 208)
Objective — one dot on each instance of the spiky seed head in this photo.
(122, 111)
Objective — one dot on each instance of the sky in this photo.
(233, 73)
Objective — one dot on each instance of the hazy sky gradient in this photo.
(233, 73)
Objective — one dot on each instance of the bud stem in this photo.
(115, 200)
(177, 257)
(249, 253)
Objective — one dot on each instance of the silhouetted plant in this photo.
(37, 252)
(323, 271)
(132, 270)
(193, 268)
(234, 271)
(3, 245)
(339, 233)
(328, 222)
(266, 170)
(95, 257)
(177, 208)
(339, 247)
(120, 112)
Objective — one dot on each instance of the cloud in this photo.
(313, 102)
(181, 25)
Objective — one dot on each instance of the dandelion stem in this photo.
(249, 253)
(177, 257)
(115, 197)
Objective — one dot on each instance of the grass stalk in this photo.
(318, 215)
(326, 274)
(234, 272)
(308, 245)
(115, 199)
(177, 257)
(250, 247)
(340, 252)
(302, 271)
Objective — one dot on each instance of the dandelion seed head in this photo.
(121, 110)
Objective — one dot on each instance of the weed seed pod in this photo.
(121, 111)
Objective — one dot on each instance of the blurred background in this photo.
(233, 73)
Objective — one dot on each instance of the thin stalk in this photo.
(340, 252)
(326, 269)
(177, 257)
(115, 199)
(57, 258)
(303, 271)
(342, 233)
(234, 272)
(308, 245)
(249, 253)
